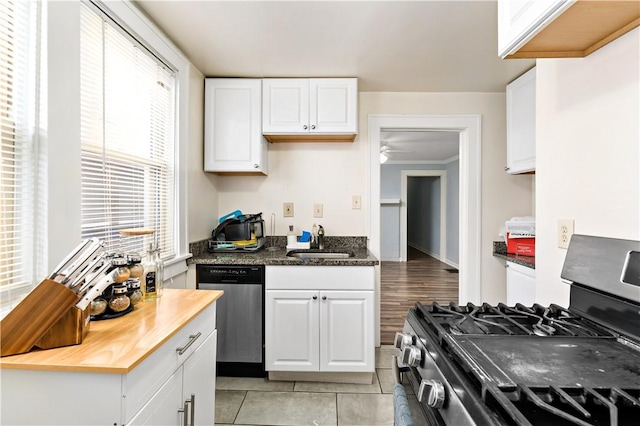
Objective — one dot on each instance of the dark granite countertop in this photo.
(264, 256)
(500, 251)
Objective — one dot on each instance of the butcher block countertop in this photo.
(118, 345)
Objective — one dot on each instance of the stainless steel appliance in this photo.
(240, 317)
(520, 365)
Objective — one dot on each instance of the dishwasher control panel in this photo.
(241, 274)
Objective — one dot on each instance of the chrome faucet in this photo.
(320, 237)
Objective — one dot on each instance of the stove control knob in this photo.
(411, 356)
(431, 392)
(403, 340)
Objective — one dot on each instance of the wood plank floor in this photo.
(421, 279)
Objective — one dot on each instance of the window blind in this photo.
(19, 132)
(127, 136)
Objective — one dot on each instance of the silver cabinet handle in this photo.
(433, 391)
(315, 297)
(193, 409)
(192, 338)
(305, 127)
(506, 169)
(313, 126)
(324, 297)
(255, 166)
(183, 410)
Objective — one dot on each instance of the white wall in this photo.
(503, 195)
(587, 153)
(202, 196)
(305, 173)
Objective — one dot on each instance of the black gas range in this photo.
(535, 365)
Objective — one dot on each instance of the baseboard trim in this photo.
(325, 377)
(451, 263)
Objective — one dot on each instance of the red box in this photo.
(521, 246)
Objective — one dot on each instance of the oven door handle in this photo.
(434, 392)
(397, 369)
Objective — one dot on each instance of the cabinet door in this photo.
(291, 330)
(521, 285)
(521, 123)
(346, 331)
(521, 20)
(285, 105)
(200, 381)
(333, 105)
(162, 408)
(233, 134)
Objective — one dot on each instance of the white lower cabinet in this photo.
(152, 393)
(161, 409)
(292, 330)
(319, 319)
(521, 284)
(188, 392)
(346, 330)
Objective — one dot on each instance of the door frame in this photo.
(469, 126)
(406, 174)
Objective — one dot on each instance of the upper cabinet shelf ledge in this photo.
(562, 28)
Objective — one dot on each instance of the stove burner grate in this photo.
(504, 320)
(555, 405)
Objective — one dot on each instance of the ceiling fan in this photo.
(385, 150)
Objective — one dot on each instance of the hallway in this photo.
(422, 278)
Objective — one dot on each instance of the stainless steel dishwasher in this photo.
(240, 317)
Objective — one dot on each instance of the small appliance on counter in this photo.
(238, 232)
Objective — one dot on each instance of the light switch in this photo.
(317, 210)
(287, 209)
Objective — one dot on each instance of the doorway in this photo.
(469, 129)
(422, 217)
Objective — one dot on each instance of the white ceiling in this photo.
(390, 46)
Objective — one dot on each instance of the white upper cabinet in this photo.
(316, 108)
(519, 20)
(233, 141)
(561, 28)
(521, 124)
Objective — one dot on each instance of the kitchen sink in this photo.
(320, 254)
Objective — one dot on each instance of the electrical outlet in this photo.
(287, 209)
(317, 210)
(356, 202)
(565, 231)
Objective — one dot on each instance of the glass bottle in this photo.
(149, 282)
(157, 260)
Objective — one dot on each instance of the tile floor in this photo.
(255, 401)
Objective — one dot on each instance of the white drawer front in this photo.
(279, 277)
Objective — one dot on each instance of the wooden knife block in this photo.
(46, 318)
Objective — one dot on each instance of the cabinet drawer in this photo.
(319, 278)
(143, 381)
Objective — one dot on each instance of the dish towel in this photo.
(401, 414)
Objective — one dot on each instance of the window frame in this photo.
(64, 135)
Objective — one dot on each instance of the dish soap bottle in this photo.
(149, 281)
